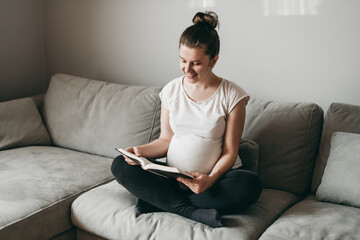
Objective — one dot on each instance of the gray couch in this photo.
(56, 151)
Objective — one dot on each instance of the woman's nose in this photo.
(188, 68)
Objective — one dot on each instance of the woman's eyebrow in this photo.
(198, 60)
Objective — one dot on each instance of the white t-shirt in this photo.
(198, 127)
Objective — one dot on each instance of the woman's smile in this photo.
(191, 76)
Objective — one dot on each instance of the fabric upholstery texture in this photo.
(340, 117)
(39, 101)
(288, 137)
(39, 183)
(311, 219)
(21, 124)
(67, 235)
(341, 179)
(82, 235)
(95, 117)
(109, 211)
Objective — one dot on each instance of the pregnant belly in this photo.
(193, 154)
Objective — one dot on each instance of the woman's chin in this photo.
(191, 79)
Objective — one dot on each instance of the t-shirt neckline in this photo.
(206, 100)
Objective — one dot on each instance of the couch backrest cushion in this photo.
(340, 117)
(95, 117)
(288, 136)
(21, 124)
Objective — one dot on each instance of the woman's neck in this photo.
(202, 90)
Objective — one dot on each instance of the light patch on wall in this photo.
(291, 7)
(201, 4)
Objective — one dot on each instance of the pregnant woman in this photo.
(202, 120)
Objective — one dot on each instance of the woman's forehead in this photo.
(192, 54)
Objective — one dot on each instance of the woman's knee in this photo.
(249, 186)
(117, 165)
(256, 187)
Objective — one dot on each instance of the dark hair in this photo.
(203, 34)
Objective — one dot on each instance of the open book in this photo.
(164, 171)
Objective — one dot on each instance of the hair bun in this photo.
(208, 18)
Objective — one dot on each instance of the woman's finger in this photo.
(129, 161)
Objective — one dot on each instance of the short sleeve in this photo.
(164, 97)
(235, 95)
(169, 93)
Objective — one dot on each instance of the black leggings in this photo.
(234, 191)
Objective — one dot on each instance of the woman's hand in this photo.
(134, 150)
(200, 183)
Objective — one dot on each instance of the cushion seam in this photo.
(282, 235)
(264, 227)
(282, 111)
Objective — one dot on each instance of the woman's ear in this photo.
(213, 61)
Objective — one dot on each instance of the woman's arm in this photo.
(234, 129)
(159, 147)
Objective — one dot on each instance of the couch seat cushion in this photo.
(310, 219)
(109, 211)
(34, 180)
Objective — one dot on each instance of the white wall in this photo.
(286, 50)
(21, 49)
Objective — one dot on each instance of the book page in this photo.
(142, 161)
(156, 168)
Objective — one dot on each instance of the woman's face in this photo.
(195, 64)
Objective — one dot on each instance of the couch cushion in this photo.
(341, 179)
(310, 219)
(288, 135)
(21, 124)
(109, 211)
(95, 117)
(38, 184)
(340, 117)
(249, 154)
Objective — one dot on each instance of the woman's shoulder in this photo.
(233, 88)
(172, 85)
(232, 94)
(170, 92)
